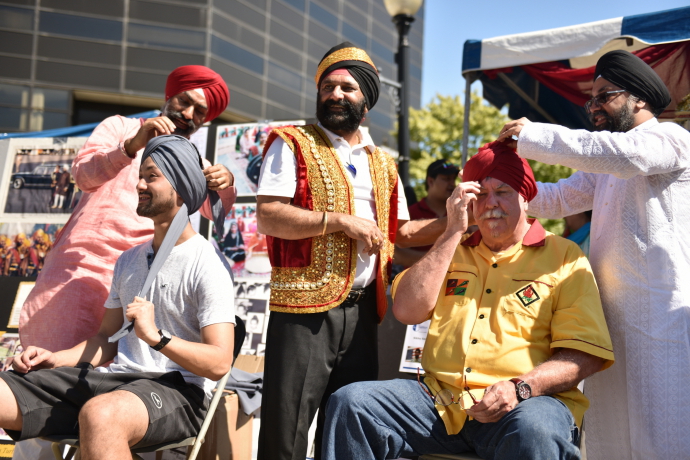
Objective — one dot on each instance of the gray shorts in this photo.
(50, 401)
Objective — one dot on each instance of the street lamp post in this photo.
(402, 12)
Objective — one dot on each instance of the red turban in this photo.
(499, 161)
(190, 77)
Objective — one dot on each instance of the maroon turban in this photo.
(190, 77)
(499, 161)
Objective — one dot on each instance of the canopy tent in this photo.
(74, 131)
(547, 75)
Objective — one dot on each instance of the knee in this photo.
(99, 412)
(350, 398)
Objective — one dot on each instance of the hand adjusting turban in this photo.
(180, 162)
(499, 161)
(358, 63)
(191, 77)
(632, 74)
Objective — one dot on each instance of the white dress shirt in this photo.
(638, 187)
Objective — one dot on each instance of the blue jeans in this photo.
(396, 418)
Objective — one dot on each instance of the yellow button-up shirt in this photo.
(501, 315)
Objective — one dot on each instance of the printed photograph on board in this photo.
(9, 348)
(239, 148)
(41, 180)
(243, 246)
(24, 246)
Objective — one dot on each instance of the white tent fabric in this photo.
(548, 45)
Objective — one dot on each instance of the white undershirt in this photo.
(279, 178)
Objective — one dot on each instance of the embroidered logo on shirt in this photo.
(157, 400)
(456, 287)
(527, 295)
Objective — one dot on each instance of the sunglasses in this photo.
(445, 397)
(602, 98)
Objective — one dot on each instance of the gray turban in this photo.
(180, 162)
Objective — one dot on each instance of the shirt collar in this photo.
(649, 124)
(365, 138)
(535, 236)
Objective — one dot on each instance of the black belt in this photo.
(360, 294)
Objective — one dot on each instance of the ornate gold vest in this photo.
(316, 274)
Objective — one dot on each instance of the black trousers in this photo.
(309, 357)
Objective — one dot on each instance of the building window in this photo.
(23, 108)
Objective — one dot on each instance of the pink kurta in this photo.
(66, 305)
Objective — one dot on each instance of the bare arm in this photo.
(96, 350)
(421, 232)
(211, 358)
(563, 371)
(407, 256)
(415, 298)
(277, 217)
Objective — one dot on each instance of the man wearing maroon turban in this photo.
(516, 323)
(66, 305)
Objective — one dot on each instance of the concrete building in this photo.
(68, 62)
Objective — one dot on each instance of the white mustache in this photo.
(493, 214)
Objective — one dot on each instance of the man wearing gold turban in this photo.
(331, 205)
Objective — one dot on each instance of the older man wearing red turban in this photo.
(66, 305)
(516, 323)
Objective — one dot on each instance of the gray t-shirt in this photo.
(192, 290)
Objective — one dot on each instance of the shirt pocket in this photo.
(526, 308)
(457, 291)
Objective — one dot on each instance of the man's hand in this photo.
(498, 400)
(151, 128)
(362, 229)
(142, 311)
(457, 206)
(218, 177)
(34, 358)
(512, 128)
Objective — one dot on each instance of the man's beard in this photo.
(153, 208)
(191, 126)
(346, 121)
(621, 121)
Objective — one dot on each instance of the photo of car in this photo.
(40, 177)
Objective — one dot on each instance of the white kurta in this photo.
(638, 186)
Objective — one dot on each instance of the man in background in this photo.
(441, 177)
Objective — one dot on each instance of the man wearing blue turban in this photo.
(172, 292)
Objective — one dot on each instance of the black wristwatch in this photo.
(165, 338)
(522, 389)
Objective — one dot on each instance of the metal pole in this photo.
(403, 22)
(466, 121)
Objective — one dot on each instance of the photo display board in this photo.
(239, 147)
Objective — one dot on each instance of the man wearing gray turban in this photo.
(633, 173)
(173, 289)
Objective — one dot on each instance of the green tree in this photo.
(438, 128)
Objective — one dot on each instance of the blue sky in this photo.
(449, 23)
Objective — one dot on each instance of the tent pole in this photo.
(466, 122)
(535, 105)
